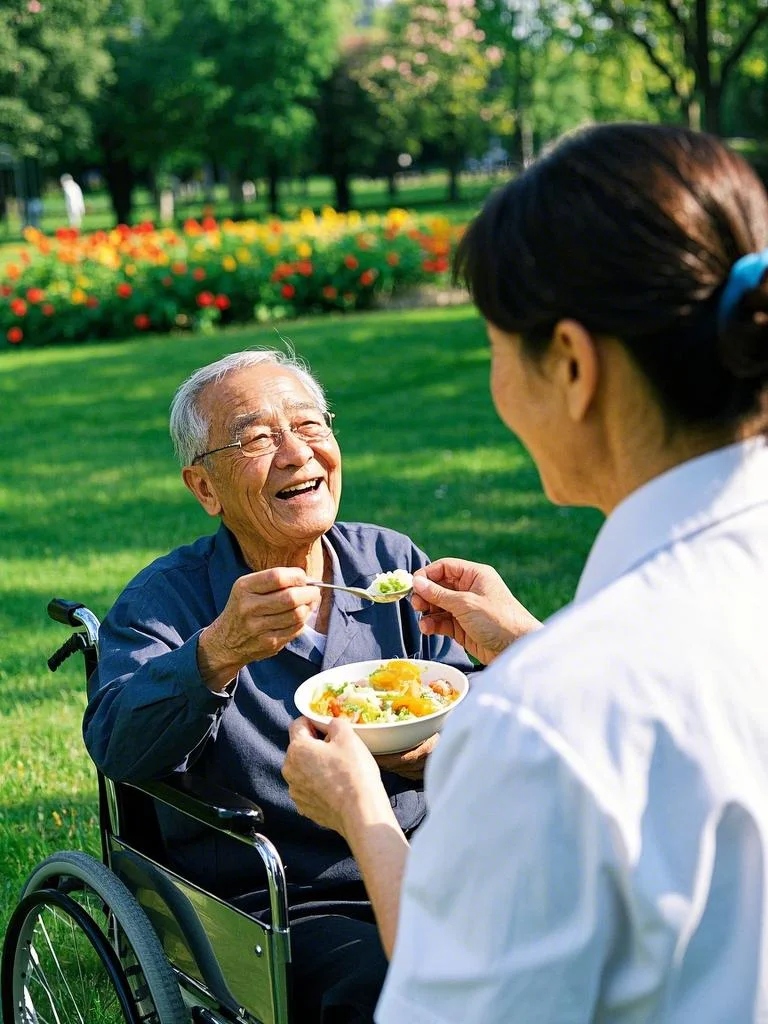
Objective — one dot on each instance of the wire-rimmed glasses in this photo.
(258, 439)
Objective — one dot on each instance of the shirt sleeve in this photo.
(149, 712)
(508, 906)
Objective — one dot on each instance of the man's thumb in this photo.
(433, 592)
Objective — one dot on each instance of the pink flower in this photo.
(388, 62)
(34, 6)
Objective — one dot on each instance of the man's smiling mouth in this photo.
(297, 489)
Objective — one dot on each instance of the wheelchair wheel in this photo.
(79, 948)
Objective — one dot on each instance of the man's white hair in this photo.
(190, 429)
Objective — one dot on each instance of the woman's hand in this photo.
(265, 611)
(334, 779)
(470, 603)
(336, 783)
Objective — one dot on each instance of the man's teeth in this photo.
(300, 488)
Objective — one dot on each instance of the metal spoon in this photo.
(366, 593)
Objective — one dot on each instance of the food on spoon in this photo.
(395, 582)
(392, 693)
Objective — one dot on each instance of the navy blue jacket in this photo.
(149, 712)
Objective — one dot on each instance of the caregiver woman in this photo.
(597, 842)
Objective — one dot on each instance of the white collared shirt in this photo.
(596, 847)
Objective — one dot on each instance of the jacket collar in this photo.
(350, 567)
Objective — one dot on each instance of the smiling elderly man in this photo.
(201, 654)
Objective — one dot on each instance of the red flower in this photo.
(35, 295)
(124, 290)
(351, 262)
(205, 299)
(304, 267)
(18, 307)
(5, 290)
(199, 274)
(47, 309)
(15, 335)
(392, 259)
(329, 292)
(209, 224)
(91, 302)
(222, 302)
(142, 321)
(368, 277)
(167, 281)
(441, 264)
(179, 267)
(287, 291)
(428, 265)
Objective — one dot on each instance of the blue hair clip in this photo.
(746, 274)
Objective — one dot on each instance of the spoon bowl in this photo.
(367, 593)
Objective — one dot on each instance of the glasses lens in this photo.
(261, 440)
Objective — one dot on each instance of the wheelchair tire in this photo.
(73, 942)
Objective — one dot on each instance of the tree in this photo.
(270, 59)
(434, 75)
(696, 44)
(53, 63)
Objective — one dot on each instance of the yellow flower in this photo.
(57, 821)
(82, 281)
(304, 250)
(272, 247)
(78, 297)
(243, 254)
(307, 217)
(229, 263)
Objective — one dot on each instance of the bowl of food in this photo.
(393, 705)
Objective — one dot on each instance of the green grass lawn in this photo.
(90, 493)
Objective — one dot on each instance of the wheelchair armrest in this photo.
(209, 803)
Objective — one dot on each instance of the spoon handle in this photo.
(358, 591)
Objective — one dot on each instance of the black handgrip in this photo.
(64, 611)
(76, 642)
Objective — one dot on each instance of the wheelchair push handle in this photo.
(74, 613)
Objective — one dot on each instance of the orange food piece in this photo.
(395, 675)
(418, 706)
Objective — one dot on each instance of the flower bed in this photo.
(75, 287)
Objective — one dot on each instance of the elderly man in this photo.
(201, 655)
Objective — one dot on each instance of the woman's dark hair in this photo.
(632, 230)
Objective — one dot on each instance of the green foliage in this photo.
(52, 64)
(87, 288)
(431, 79)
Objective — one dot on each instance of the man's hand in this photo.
(410, 763)
(265, 611)
(470, 603)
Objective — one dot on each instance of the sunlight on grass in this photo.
(90, 494)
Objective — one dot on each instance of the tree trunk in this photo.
(273, 179)
(120, 179)
(343, 191)
(453, 182)
(392, 185)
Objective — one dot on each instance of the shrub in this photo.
(75, 287)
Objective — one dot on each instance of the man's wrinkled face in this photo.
(279, 501)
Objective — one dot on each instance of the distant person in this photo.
(73, 198)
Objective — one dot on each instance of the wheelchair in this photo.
(126, 940)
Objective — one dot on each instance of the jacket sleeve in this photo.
(149, 712)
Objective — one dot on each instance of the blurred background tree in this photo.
(181, 94)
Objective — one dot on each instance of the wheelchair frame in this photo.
(172, 951)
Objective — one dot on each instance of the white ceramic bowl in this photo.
(386, 737)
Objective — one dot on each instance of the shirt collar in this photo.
(677, 504)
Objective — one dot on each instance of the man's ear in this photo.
(578, 366)
(197, 480)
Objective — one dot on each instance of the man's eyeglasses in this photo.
(258, 439)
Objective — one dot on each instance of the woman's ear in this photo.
(197, 480)
(577, 362)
